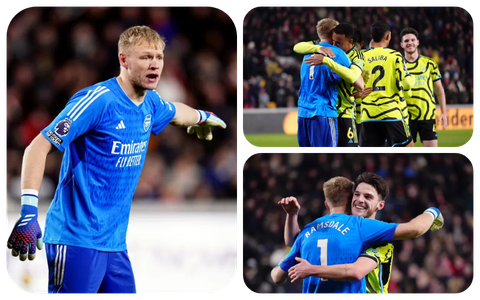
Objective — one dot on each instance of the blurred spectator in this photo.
(54, 52)
(269, 34)
(438, 262)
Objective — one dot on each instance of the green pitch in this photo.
(449, 138)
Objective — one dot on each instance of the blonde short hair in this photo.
(338, 191)
(136, 35)
(325, 27)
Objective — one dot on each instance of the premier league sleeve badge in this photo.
(63, 127)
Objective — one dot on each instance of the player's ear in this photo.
(381, 205)
(122, 58)
(326, 205)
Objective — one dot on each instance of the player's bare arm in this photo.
(292, 229)
(430, 219)
(314, 60)
(440, 95)
(185, 115)
(33, 165)
(344, 272)
(278, 275)
(359, 84)
(364, 93)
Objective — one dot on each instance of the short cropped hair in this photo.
(408, 30)
(338, 191)
(345, 29)
(136, 35)
(378, 30)
(357, 36)
(325, 27)
(378, 183)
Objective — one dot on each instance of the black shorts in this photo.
(347, 133)
(385, 134)
(427, 129)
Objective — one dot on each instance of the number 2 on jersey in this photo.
(323, 245)
(376, 87)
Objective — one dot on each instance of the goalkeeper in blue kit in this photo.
(339, 239)
(104, 132)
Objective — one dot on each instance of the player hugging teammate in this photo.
(384, 98)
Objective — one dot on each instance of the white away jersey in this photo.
(104, 136)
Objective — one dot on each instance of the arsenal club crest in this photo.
(147, 122)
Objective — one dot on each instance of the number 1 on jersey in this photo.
(312, 70)
(323, 245)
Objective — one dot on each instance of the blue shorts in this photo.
(81, 270)
(317, 132)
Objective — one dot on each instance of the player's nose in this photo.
(360, 200)
(154, 64)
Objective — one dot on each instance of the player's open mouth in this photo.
(152, 77)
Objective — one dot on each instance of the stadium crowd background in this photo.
(271, 76)
(54, 52)
(437, 262)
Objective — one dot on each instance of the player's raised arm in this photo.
(292, 229)
(430, 219)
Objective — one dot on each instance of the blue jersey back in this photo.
(318, 89)
(336, 239)
(104, 136)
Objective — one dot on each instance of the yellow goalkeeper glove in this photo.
(204, 124)
(437, 218)
(366, 75)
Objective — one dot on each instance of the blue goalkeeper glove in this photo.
(437, 218)
(26, 235)
(203, 126)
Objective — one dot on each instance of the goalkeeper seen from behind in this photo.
(352, 78)
(104, 132)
